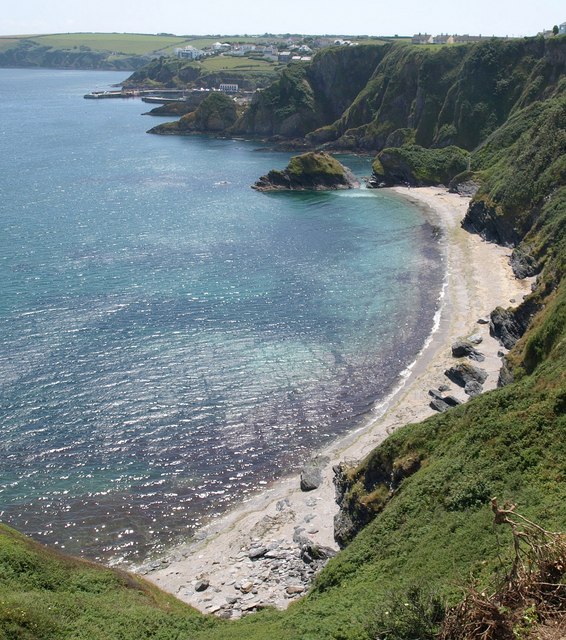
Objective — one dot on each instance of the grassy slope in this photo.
(315, 164)
(126, 43)
(237, 63)
(45, 595)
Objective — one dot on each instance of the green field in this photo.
(233, 63)
(201, 43)
(9, 42)
(128, 43)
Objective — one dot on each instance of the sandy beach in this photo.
(251, 557)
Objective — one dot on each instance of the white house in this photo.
(562, 28)
(422, 38)
(190, 53)
(228, 87)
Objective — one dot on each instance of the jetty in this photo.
(166, 94)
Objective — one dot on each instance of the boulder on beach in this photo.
(464, 372)
(202, 584)
(311, 474)
(473, 388)
(442, 403)
(465, 348)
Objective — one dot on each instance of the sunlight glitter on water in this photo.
(170, 344)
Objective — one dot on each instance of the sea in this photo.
(172, 341)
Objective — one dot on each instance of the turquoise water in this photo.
(172, 340)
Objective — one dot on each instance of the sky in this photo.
(229, 17)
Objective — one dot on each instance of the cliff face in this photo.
(447, 96)
(215, 114)
(308, 96)
(368, 97)
(372, 97)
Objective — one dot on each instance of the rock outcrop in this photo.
(309, 172)
(378, 478)
(493, 226)
(311, 474)
(417, 166)
(508, 325)
(465, 348)
(215, 114)
(464, 372)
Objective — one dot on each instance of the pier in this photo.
(135, 93)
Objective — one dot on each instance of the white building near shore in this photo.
(189, 53)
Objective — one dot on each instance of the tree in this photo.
(555, 30)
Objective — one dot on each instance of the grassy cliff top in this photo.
(315, 164)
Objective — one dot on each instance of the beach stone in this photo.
(202, 584)
(464, 372)
(306, 557)
(311, 478)
(257, 552)
(475, 339)
(294, 589)
(319, 552)
(246, 586)
(439, 405)
(213, 608)
(463, 348)
(483, 321)
(299, 538)
(473, 388)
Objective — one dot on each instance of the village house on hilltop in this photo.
(425, 38)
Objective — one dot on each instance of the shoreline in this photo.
(251, 557)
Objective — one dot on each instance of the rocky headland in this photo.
(309, 171)
(215, 114)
